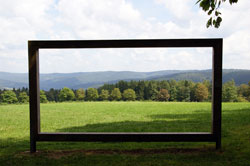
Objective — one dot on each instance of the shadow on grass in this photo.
(138, 126)
(197, 115)
(58, 154)
(198, 122)
(13, 143)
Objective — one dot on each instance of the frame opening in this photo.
(213, 136)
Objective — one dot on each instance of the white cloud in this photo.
(237, 35)
(179, 8)
(99, 19)
(124, 59)
(113, 19)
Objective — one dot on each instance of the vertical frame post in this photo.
(217, 90)
(34, 93)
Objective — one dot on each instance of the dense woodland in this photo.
(171, 90)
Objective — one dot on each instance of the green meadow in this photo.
(125, 117)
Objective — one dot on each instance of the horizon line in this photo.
(123, 71)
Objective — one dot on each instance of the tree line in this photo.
(166, 90)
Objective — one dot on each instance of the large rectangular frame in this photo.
(34, 92)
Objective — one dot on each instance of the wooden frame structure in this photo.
(34, 92)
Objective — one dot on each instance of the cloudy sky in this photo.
(25, 20)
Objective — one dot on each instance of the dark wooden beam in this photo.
(217, 91)
(34, 96)
(135, 43)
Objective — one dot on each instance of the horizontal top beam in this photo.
(128, 43)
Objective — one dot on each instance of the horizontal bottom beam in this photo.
(128, 137)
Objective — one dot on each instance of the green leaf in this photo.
(217, 22)
(214, 22)
(219, 19)
(205, 5)
(210, 12)
(217, 13)
(209, 22)
(219, 4)
(233, 1)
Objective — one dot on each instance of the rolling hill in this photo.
(239, 76)
(95, 79)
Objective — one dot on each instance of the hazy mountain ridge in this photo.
(95, 79)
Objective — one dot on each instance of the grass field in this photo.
(126, 117)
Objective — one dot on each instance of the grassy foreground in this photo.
(126, 117)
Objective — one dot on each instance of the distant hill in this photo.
(239, 76)
(96, 79)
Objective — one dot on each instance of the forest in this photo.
(166, 90)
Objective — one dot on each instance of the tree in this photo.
(23, 97)
(122, 85)
(164, 85)
(173, 90)
(243, 91)
(132, 85)
(66, 94)
(192, 91)
(80, 94)
(241, 99)
(150, 91)
(183, 91)
(248, 94)
(212, 7)
(129, 95)
(9, 97)
(52, 94)
(201, 92)
(115, 94)
(208, 84)
(173, 93)
(108, 87)
(104, 95)
(43, 98)
(163, 95)
(229, 92)
(92, 94)
(139, 90)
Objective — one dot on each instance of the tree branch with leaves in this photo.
(211, 7)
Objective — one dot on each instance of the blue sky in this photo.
(119, 19)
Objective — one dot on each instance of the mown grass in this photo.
(126, 117)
